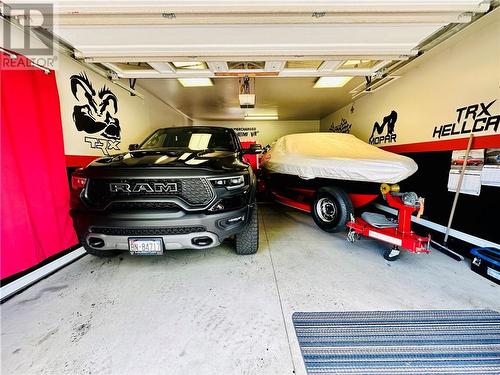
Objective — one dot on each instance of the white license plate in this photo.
(145, 246)
(493, 273)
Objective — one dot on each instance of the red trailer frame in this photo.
(400, 236)
(358, 200)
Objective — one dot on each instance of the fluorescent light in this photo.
(260, 118)
(195, 82)
(193, 65)
(327, 82)
(182, 64)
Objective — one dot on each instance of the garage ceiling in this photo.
(303, 39)
(218, 32)
(290, 98)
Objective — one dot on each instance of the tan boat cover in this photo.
(336, 156)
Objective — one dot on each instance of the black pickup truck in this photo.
(183, 187)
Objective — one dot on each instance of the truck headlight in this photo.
(230, 183)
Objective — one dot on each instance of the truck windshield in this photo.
(192, 139)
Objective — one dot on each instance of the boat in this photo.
(330, 174)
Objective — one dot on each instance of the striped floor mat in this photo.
(400, 342)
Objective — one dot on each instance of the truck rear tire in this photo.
(247, 241)
(331, 209)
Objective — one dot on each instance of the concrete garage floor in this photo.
(213, 312)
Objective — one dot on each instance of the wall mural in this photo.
(474, 118)
(96, 113)
(343, 127)
(388, 124)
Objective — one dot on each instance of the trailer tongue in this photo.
(398, 232)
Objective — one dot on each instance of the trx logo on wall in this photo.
(388, 124)
(103, 144)
(474, 118)
(343, 127)
(95, 113)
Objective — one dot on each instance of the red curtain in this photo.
(35, 222)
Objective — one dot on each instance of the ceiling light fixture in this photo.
(329, 82)
(190, 65)
(181, 64)
(261, 118)
(195, 82)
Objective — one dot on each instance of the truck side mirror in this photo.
(254, 148)
(133, 146)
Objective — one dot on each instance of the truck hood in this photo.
(222, 161)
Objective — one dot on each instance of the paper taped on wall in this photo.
(491, 170)
(471, 183)
(490, 175)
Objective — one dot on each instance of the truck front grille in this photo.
(164, 231)
(195, 192)
(132, 205)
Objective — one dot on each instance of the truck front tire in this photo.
(247, 241)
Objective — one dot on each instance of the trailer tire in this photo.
(391, 254)
(331, 209)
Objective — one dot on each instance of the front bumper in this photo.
(111, 231)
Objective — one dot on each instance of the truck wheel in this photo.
(247, 241)
(331, 209)
(100, 253)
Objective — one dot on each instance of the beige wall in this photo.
(162, 115)
(265, 132)
(463, 71)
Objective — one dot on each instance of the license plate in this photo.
(493, 273)
(145, 246)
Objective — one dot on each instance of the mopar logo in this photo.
(144, 187)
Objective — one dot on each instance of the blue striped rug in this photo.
(400, 342)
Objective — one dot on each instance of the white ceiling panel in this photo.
(246, 40)
(270, 6)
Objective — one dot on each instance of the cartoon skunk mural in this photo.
(96, 114)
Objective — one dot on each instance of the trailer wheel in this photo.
(331, 209)
(391, 254)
